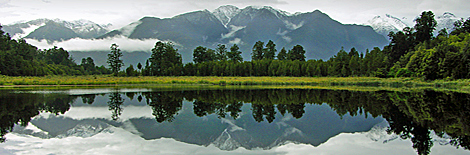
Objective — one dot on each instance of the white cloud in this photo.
(293, 26)
(233, 30)
(77, 44)
(287, 38)
(236, 41)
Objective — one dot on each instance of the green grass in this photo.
(106, 80)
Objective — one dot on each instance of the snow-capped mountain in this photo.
(446, 21)
(226, 13)
(388, 23)
(81, 28)
(385, 24)
(321, 36)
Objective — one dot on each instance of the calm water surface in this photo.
(234, 121)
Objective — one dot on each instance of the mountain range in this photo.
(56, 29)
(321, 36)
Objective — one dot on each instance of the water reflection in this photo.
(411, 115)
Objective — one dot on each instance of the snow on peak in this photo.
(226, 13)
(385, 24)
(446, 20)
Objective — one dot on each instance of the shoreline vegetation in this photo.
(317, 82)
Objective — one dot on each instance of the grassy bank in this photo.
(315, 81)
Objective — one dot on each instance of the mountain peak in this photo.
(384, 24)
(447, 15)
(226, 13)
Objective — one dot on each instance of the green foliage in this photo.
(235, 54)
(258, 51)
(461, 26)
(282, 54)
(221, 52)
(18, 58)
(202, 54)
(270, 50)
(425, 26)
(114, 59)
(296, 53)
(165, 60)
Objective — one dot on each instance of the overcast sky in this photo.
(123, 12)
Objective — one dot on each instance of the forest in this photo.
(412, 52)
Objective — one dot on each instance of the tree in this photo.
(235, 54)
(282, 54)
(221, 52)
(270, 51)
(461, 26)
(139, 66)
(425, 26)
(165, 60)
(130, 71)
(296, 53)
(88, 65)
(202, 54)
(258, 51)
(114, 59)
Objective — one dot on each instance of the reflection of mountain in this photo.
(318, 124)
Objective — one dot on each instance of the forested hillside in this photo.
(18, 58)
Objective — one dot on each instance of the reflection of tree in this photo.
(58, 105)
(410, 114)
(20, 108)
(202, 108)
(259, 111)
(297, 110)
(165, 105)
(114, 105)
(220, 109)
(130, 95)
(88, 99)
(235, 109)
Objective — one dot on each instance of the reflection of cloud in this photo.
(78, 44)
(233, 126)
(124, 142)
(129, 112)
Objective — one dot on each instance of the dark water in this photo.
(243, 121)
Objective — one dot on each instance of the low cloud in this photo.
(233, 30)
(236, 41)
(293, 26)
(78, 44)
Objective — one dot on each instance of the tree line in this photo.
(412, 52)
(18, 58)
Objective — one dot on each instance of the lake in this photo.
(233, 121)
